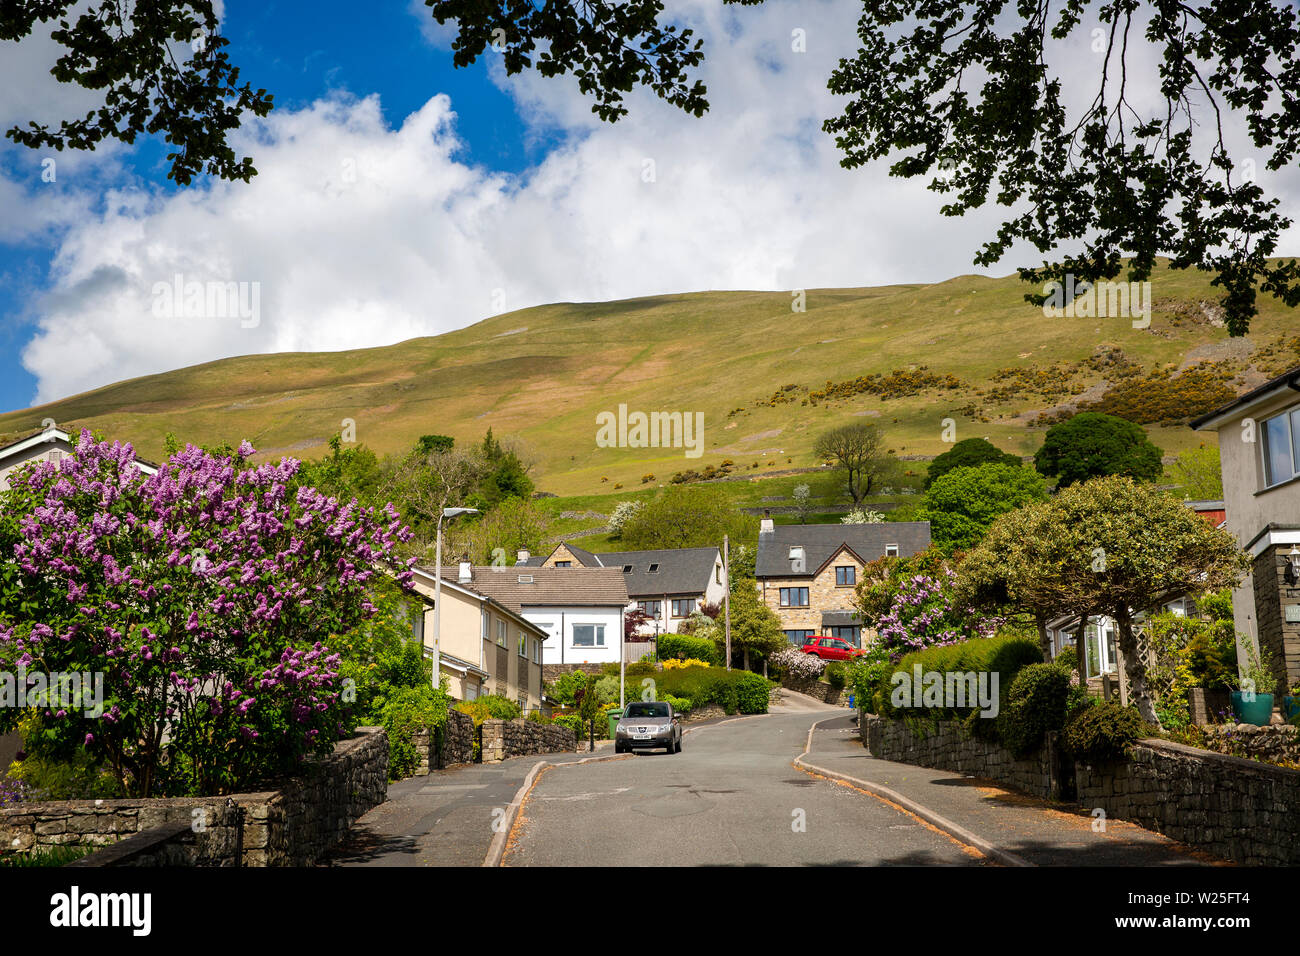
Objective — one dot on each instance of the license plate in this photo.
(640, 736)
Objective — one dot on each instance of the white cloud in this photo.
(361, 234)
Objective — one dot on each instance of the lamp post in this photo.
(437, 592)
(1293, 565)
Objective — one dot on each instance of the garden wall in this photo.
(517, 738)
(945, 746)
(457, 744)
(1238, 809)
(292, 826)
(818, 689)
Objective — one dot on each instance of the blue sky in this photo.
(299, 55)
(398, 196)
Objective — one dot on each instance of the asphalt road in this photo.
(730, 798)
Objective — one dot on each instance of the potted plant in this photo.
(1253, 703)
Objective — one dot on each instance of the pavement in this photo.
(1011, 827)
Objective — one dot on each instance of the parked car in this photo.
(831, 648)
(647, 724)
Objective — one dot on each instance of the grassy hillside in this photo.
(757, 371)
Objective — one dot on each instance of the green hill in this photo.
(766, 379)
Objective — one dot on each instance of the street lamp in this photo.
(437, 592)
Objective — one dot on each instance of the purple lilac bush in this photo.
(924, 614)
(203, 594)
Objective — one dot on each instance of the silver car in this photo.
(647, 725)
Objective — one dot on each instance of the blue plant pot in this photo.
(1291, 707)
(1255, 712)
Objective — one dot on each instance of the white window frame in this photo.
(597, 635)
(1289, 417)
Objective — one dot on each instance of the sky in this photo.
(398, 196)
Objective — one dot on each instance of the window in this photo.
(653, 608)
(848, 635)
(846, 577)
(564, 564)
(501, 633)
(891, 550)
(627, 569)
(794, 597)
(523, 645)
(798, 562)
(683, 607)
(1281, 448)
(589, 635)
(717, 574)
(798, 637)
(523, 704)
(654, 569)
(537, 652)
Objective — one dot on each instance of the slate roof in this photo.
(681, 570)
(579, 587)
(821, 541)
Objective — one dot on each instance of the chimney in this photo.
(466, 572)
(522, 555)
(766, 526)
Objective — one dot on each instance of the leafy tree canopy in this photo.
(1092, 444)
(963, 502)
(966, 454)
(684, 517)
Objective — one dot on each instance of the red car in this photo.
(831, 648)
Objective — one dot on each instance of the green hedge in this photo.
(682, 646)
(1101, 733)
(1036, 703)
(735, 690)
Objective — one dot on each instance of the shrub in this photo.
(1036, 703)
(797, 665)
(187, 591)
(752, 692)
(622, 512)
(404, 712)
(1101, 733)
(835, 675)
(673, 663)
(489, 707)
(1068, 658)
(564, 687)
(684, 646)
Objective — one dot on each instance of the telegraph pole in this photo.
(726, 595)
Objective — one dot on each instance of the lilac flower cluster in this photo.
(203, 592)
(924, 614)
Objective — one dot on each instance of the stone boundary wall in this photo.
(1241, 810)
(292, 826)
(1274, 742)
(457, 744)
(818, 689)
(945, 746)
(551, 671)
(516, 738)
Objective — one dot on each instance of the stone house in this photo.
(484, 646)
(667, 584)
(1259, 449)
(808, 573)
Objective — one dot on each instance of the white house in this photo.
(667, 584)
(580, 609)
